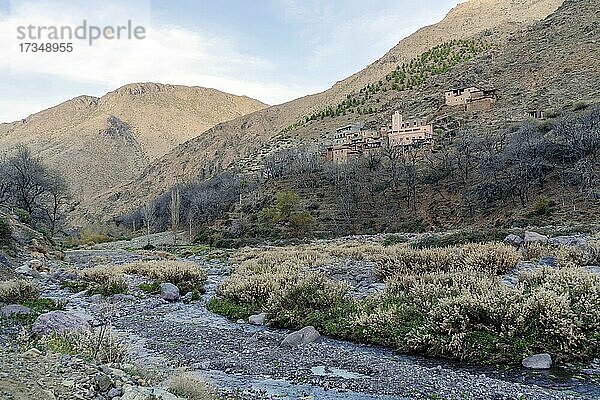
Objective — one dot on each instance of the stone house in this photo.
(408, 132)
(471, 98)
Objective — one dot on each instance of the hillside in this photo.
(245, 140)
(127, 129)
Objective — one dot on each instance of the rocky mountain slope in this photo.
(126, 129)
(243, 141)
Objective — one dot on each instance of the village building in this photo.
(408, 133)
(471, 98)
(536, 114)
(353, 140)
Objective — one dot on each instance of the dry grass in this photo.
(192, 387)
(18, 291)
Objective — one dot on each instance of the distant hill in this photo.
(99, 143)
(244, 141)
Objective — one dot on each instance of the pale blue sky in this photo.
(273, 50)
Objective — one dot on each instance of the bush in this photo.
(394, 239)
(187, 276)
(18, 291)
(192, 387)
(490, 257)
(99, 345)
(5, 232)
(445, 302)
(23, 215)
(103, 280)
(459, 238)
(542, 207)
(580, 105)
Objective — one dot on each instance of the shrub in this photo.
(311, 300)
(5, 232)
(150, 287)
(192, 387)
(542, 207)
(580, 105)
(490, 257)
(104, 280)
(99, 345)
(18, 291)
(443, 302)
(394, 239)
(187, 276)
(23, 215)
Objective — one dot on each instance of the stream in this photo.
(247, 359)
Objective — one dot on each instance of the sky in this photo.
(271, 50)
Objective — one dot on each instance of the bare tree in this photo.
(148, 215)
(175, 210)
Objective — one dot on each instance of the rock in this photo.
(103, 382)
(538, 361)
(534, 237)
(38, 265)
(187, 297)
(11, 309)
(169, 292)
(548, 260)
(95, 298)
(568, 241)
(57, 322)
(305, 335)
(123, 297)
(4, 261)
(257, 319)
(26, 270)
(240, 321)
(513, 240)
(33, 352)
(114, 392)
(146, 393)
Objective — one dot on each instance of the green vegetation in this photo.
(88, 236)
(580, 105)
(150, 287)
(460, 237)
(5, 232)
(283, 214)
(445, 302)
(435, 61)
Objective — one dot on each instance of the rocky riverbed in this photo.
(247, 361)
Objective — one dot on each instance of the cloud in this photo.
(169, 53)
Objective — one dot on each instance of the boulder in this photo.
(131, 392)
(257, 319)
(513, 240)
(538, 361)
(11, 309)
(169, 292)
(549, 261)
(27, 270)
(186, 298)
(103, 382)
(114, 392)
(308, 334)
(534, 237)
(38, 265)
(568, 241)
(57, 322)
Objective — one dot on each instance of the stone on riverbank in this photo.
(305, 335)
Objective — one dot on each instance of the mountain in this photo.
(243, 142)
(98, 143)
